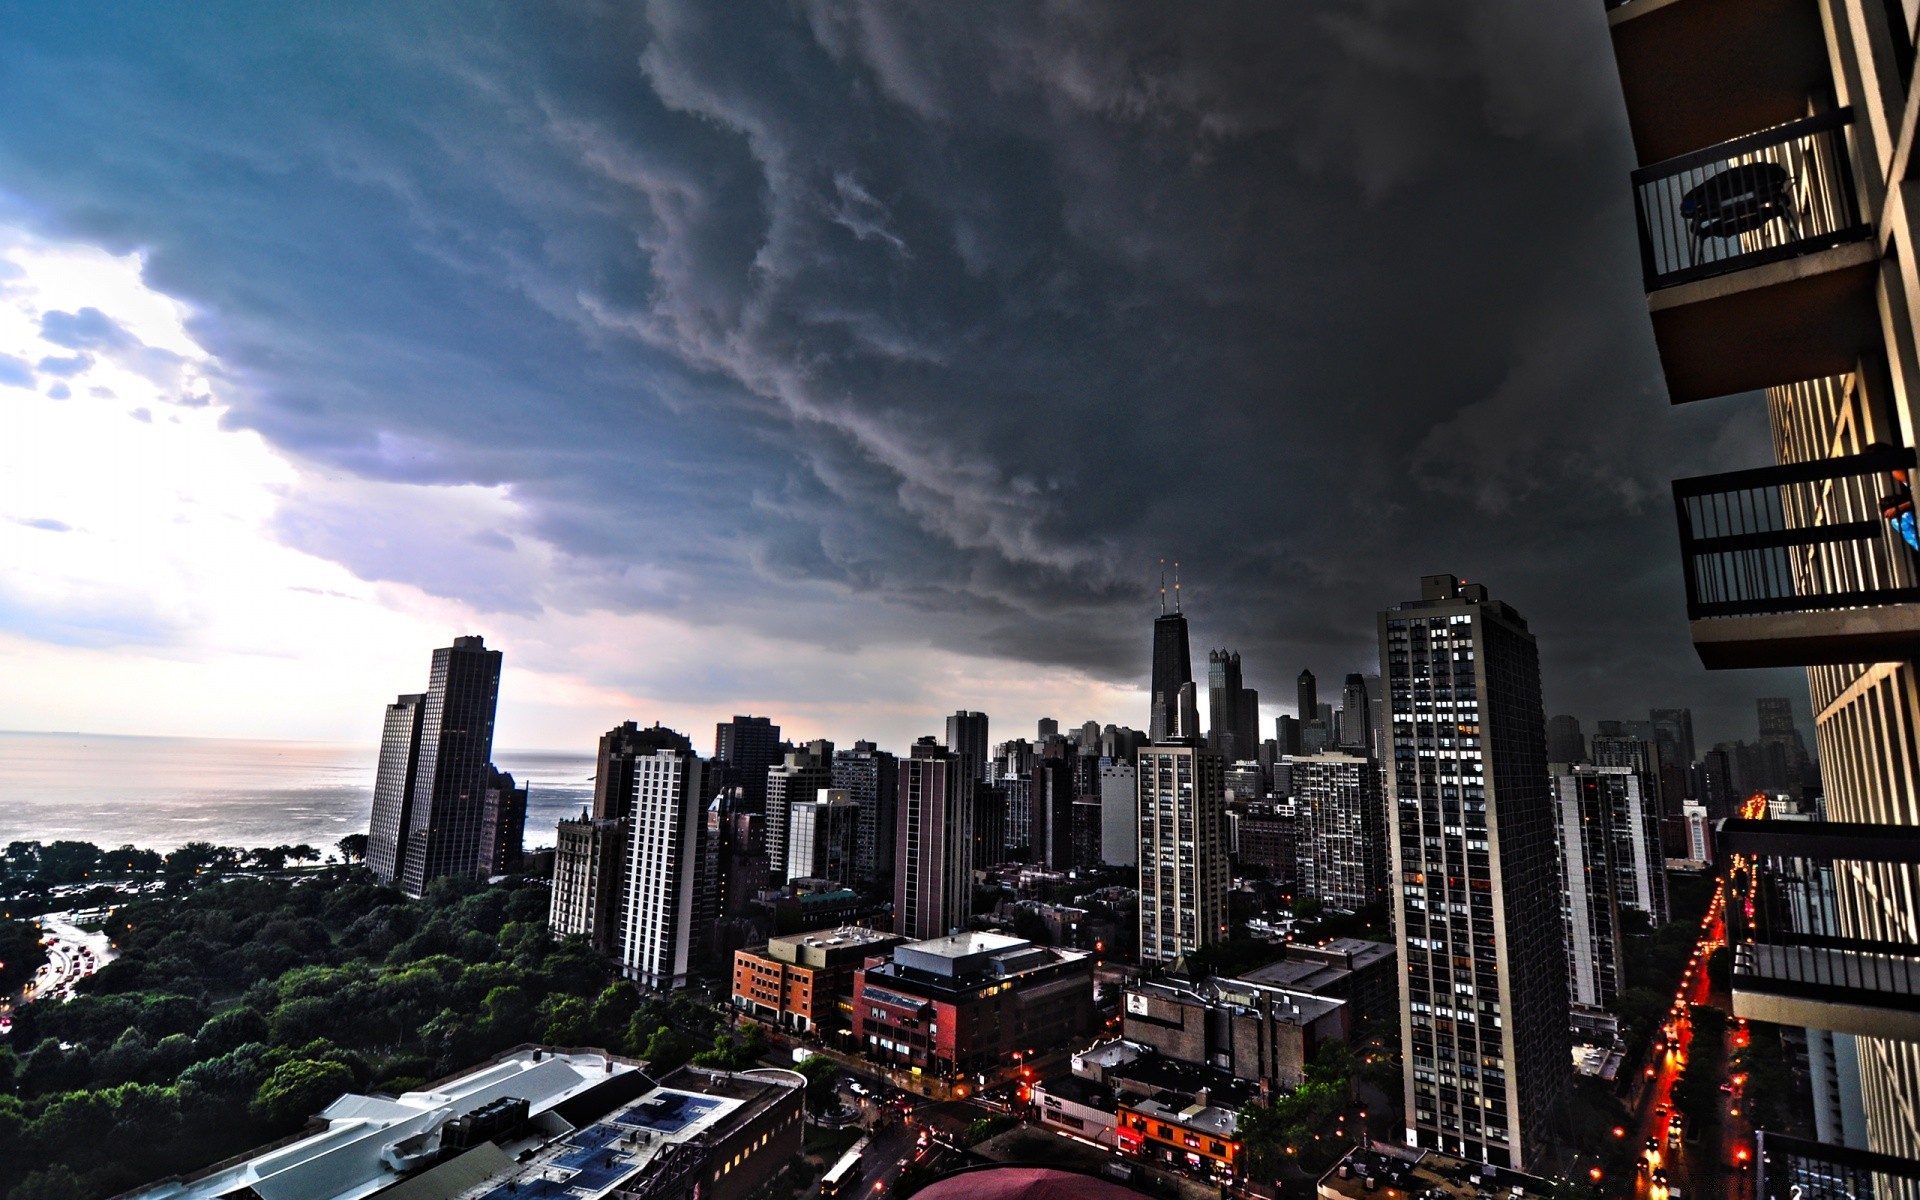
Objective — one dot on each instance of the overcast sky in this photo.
(848, 363)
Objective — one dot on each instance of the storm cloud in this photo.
(891, 325)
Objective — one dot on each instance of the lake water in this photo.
(161, 792)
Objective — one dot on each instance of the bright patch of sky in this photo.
(150, 587)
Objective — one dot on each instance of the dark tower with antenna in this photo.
(1172, 665)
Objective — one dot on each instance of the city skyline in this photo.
(852, 467)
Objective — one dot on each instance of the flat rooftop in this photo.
(961, 945)
(846, 935)
(1409, 1173)
(374, 1142)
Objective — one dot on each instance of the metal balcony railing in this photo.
(1790, 1168)
(1772, 195)
(1802, 537)
(1834, 969)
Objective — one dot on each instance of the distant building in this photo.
(1184, 867)
(823, 837)
(1233, 708)
(589, 867)
(967, 740)
(1172, 671)
(503, 825)
(798, 982)
(989, 824)
(1119, 814)
(1362, 973)
(1584, 802)
(800, 775)
(743, 751)
(613, 769)
(871, 778)
(1086, 834)
(1565, 741)
(967, 1004)
(933, 862)
(1356, 716)
(1053, 797)
(1245, 781)
(1342, 839)
(433, 823)
(1266, 839)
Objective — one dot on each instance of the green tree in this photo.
(821, 1073)
(21, 954)
(300, 1088)
(665, 1050)
(353, 847)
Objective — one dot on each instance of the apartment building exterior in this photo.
(798, 982)
(1184, 868)
(1777, 220)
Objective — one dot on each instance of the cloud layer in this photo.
(910, 330)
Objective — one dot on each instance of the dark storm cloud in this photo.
(897, 322)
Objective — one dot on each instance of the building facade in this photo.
(1484, 994)
(970, 1003)
(589, 870)
(393, 786)
(1252, 1031)
(664, 851)
(823, 837)
(1119, 816)
(933, 859)
(1341, 839)
(1584, 801)
(799, 776)
(1172, 671)
(800, 982)
(1184, 867)
(871, 778)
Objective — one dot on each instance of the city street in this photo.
(72, 952)
(1662, 1155)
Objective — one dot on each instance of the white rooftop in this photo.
(371, 1142)
(958, 945)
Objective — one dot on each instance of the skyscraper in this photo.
(1338, 815)
(1307, 697)
(1565, 742)
(1633, 823)
(1585, 799)
(1356, 715)
(871, 778)
(452, 766)
(1184, 868)
(1233, 710)
(1674, 727)
(743, 750)
(665, 845)
(1119, 816)
(823, 837)
(1053, 797)
(1484, 989)
(393, 787)
(1048, 727)
(933, 862)
(589, 873)
(613, 770)
(802, 774)
(1172, 671)
(503, 824)
(967, 740)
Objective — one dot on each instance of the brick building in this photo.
(1249, 1030)
(967, 1004)
(797, 981)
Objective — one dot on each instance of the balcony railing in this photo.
(1802, 537)
(1773, 195)
(1831, 969)
(1791, 1168)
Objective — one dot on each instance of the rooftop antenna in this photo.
(1176, 585)
(1163, 587)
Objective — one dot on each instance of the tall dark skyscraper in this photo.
(446, 810)
(1052, 797)
(1233, 709)
(613, 771)
(1674, 727)
(1565, 742)
(1307, 697)
(743, 749)
(870, 777)
(967, 741)
(1172, 669)
(1475, 875)
(1356, 715)
(933, 859)
(393, 787)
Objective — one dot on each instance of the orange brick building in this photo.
(797, 982)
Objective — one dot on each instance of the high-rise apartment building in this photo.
(1586, 799)
(1338, 823)
(871, 778)
(1484, 995)
(1053, 796)
(1356, 715)
(589, 870)
(823, 837)
(743, 750)
(1184, 867)
(435, 823)
(798, 777)
(933, 859)
(1777, 250)
(1636, 821)
(613, 770)
(967, 740)
(503, 824)
(393, 787)
(665, 850)
(1119, 817)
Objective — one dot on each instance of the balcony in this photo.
(1758, 259)
(1794, 960)
(1791, 1168)
(1795, 565)
(1696, 72)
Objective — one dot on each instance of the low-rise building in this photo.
(1077, 1106)
(533, 1122)
(1367, 1173)
(1249, 1030)
(1362, 973)
(1179, 1114)
(797, 981)
(969, 1003)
